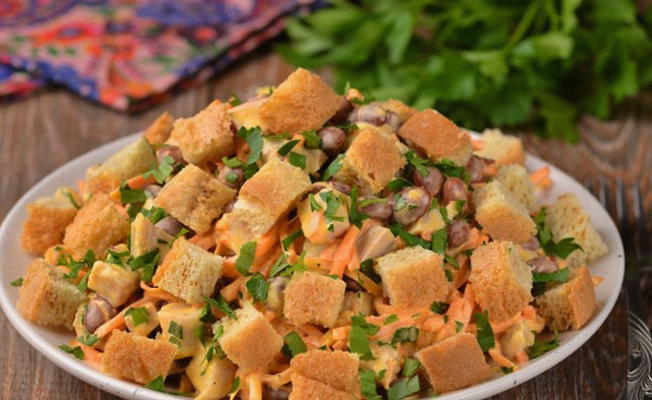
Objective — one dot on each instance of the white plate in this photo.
(13, 263)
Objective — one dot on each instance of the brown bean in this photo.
(431, 182)
(410, 204)
(454, 189)
(380, 210)
(342, 113)
(458, 233)
(367, 113)
(275, 297)
(98, 311)
(543, 264)
(172, 151)
(532, 244)
(231, 177)
(475, 166)
(394, 121)
(170, 225)
(275, 394)
(153, 190)
(342, 187)
(332, 138)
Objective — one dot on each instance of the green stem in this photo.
(523, 25)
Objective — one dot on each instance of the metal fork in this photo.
(637, 245)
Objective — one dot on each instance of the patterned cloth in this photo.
(127, 54)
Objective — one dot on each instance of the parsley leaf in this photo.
(162, 171)
(293, 345)
(287, 147)
(147, 262)
(539, 348)
(257, 287)
(367, 268)
(289, 239)
(254, 138)
(297, 159)
(405, 334)
(408, 238)
(246, 258)
(397, 184)
(18, 282)
(390, 319)
(439, 307)
(485, 334)
(334, 167)
(221, 304)
(368, 385)
(561, 249)
(76, 351)
(404, 388)
(356, 217)
(156, 384)
(561, 275)
(235, 385)
(359, 336)
(88, 340)
(313, 141)
(410, 366)
(139, 315)
(440, 240)
(131, 196)
(154, 214)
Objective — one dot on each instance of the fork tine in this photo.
(603, 193)
(639, 215)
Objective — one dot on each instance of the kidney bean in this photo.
(367, 113)
(342, 113)
(454, 189)
(543, 264)
(98, 311)
(332, 138)
(342, 187)
(153, 190)
(431, 182)
(458, 233)
(172, 151)
(394, 121)
(475, 166)
(410, 204)
(231, 177)
(170, 225)
(532, 244)
(381, 210)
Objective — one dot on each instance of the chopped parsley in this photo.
(176, 331)
(221, 304)
(313, 141)
(235, 385)
(452, 261)
(406, 334)
(287, 147)
(484, 333)
(359, 336)
(507, 370)
(289, 239)
(355, 215)
(147, 262)
(368, 385)
(367, 268)
(390, 319)
(88, 340)
(162, 171)
(334, 167)
(397, 184)
(297, 159)
(246, 258)
(131, 196)
(156, 384)
(293, 345)
(439, 307)
(408, 238)
(254, 138)
(234, 100)
(257, 287)
(232, 162)
(439, 240)
(139, 315)
(410, 366)
(539, 347)
(76, 351)
(18, 282)
(279, 265)
(449, 274)
(68, 193)
(154, 214)
(404, 388)
(561, 249)
(449, 168)
(561, 275)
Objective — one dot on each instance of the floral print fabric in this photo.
(128, 54)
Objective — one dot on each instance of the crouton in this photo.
(309, 389)
(114, 282)
(399, 108)
(250, 341)
(337, 369)
(97, 226)
(189, 272)
(145, 237)
(454, 363)
(311, 297)
(503, 149)
(159, 131)
(136, 358)
(46, 223)
(128, 162)
(570, 304)
(302, 102)
(567, 218)
(195, 198)
(263, 199)
(371, 161)
(212, 378)
(437, 137)
(207, 136)
(501, 215)
(47, 299)
(413, 277)
(516, 179)
(247, 114)
(179, 322)
(501, 279)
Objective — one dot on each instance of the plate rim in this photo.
(134, 391)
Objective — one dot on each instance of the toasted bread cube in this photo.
(158, 132)
(46, 222)
(98, 225)
(437, 137)
(503, 149)
(47, 299)
(501, 279)
(250, 341)
(371, 161)
(207, 136)
(211, 379)
(569, 305)
(143, 328)
(189, 272)
(136, 358)
(178, 323)
(302, 102)
(399, 108)
(128, 162)
(337, 369)
(263, 199)
(311, 297)
(247, 114)
(502, 215)
(454, 363)
(413, 277)
(566, 218)
(304, 388)
(195, 198)
(146, 237)
(516, 179)
(115, 283)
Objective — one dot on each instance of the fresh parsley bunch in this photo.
(508, 63)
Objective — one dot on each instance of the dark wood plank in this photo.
(43, 132)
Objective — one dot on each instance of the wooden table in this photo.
(48, 129)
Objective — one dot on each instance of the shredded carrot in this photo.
(328, 252)
(228, 267)
(500, 359)
(230, 292)
(138, 182)
(118, 321)
(477, 144)
(529, 312)
(266, 242)
(345, 251)
(204, 240)
(159, 294)
(265, 264)
(502, 326)
(91, 356)
(522, 357)
(341, 333)
(541, 178)
(277, 380)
